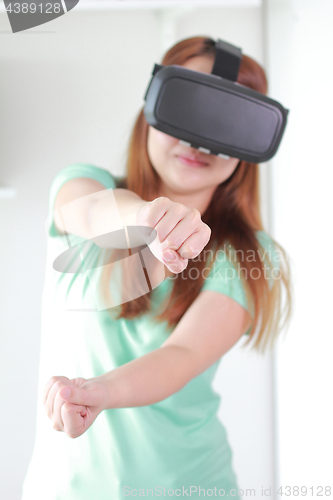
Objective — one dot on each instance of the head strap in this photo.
(227, 60)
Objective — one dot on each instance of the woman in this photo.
(130, 393)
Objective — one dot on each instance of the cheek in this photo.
(226, 168)
(159, 146)
(166, 141)
(158, 139)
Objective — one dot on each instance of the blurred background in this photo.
(70, 91)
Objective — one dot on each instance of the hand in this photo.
(180, 231)
(74, 414)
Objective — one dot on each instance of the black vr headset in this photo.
(214, 113)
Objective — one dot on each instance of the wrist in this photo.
(110, 393)
(110, 213)
(128, 204)
(130, 217)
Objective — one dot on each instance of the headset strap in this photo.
(227, 60)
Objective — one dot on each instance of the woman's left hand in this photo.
(76, 413)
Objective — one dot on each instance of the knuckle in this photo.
(55, 379)
(209, 231)
(192, 214)
(180, 209)
(162, 200)
(69, 408)
(206, 229)
(195, 214)
(207, 237)
(55, 426)
(59, 384)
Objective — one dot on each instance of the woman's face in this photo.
(183, 169)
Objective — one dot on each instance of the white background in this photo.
(70, 91)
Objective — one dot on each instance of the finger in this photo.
(73, 417)
(169, 221)
(175, 266)
(151, 213)
(50, 401)
(194, 245)
(177, 237)
(58, 423)
(80, 396)
(49, 384)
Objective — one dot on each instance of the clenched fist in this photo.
(73, 413)
(181, 232)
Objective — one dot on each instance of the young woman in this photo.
(130, 393)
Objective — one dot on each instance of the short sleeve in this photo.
(70, 172)
(225, 277)
(270, 257)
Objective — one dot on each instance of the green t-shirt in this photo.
(175, 444)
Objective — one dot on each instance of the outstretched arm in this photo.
(84, 207)
(208, 329)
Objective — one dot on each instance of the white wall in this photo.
(70, 91)
(299, 50)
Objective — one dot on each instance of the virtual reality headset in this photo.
(214, 113)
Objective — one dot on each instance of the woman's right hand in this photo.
(181, 232)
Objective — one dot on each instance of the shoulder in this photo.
(264, 238)
(226, 255)
(270, 250)
(226, 273)
(87, 170)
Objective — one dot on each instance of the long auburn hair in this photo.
(233, 216)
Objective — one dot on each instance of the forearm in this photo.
(112, 210)
(150, 378)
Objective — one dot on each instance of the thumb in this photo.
(80, 396)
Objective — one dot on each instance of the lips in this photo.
(192, 160)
